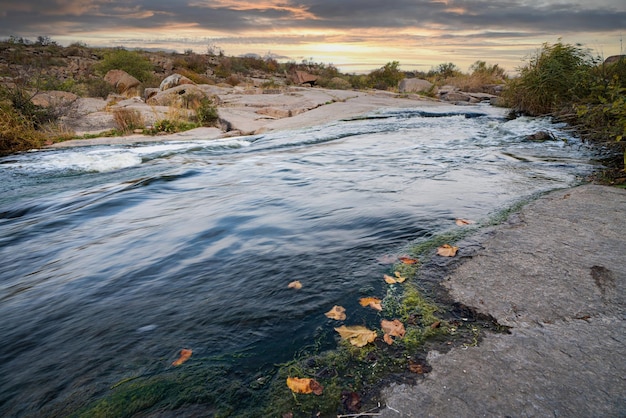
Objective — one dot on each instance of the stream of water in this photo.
(113, 258)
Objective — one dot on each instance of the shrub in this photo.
(127, 120)
(554, 78)
(386, 77)
(17, 132)
(206, 113)
(97, 87)
(133, 62)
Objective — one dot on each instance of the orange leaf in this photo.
(373, 303)
(358, 335)
(389, 279)
(337, 312)
(304, 385)
(295, 285)
(393, 328)
(408, 260)
(185, 354)
(447, 250)
(399, 277)
(464, 222)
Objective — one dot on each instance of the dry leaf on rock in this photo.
(446, 250)
(185, 354)
(337, 312)
(373, 303)
(304, 385)
(393, 328)
(464, 222)
(358, 335)
(295, 285)
(408, 260)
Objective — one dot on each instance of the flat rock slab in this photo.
(556, 274)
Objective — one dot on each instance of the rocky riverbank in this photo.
(556, 274)
(241, 112)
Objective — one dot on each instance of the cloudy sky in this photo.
(354, 35)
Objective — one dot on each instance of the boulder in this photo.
(455, 96)
(414, 85)
(614, 59)
(150, 92)
(541, 136)
(123, 82)
(174, 80)
(302, 77)
(54, 99)
(183, 96)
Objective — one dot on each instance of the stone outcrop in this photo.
(614, 59)
(415, 85)
(182, 96)
(302, 77)
(56, 99)
(123, 82)
(174, 80)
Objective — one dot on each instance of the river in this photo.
(114, 258)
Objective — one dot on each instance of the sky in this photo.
(354, 35)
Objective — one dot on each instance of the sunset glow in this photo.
(356, 36)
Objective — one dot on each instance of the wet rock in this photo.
(541, 136)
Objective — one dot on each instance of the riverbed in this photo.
(114, 258)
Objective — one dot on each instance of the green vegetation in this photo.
(566, 81)
(133, 62)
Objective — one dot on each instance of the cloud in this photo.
(394, 24)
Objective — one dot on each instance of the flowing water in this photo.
(113, 258)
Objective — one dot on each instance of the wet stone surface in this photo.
(556, 274)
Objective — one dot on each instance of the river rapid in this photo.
(114, 258)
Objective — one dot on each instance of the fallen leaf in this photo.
(389, 279)
(358, 335)
(446, 250)
(295, 285)
(185, 354)
(464, 222)
(351, 401)
(408, 260)
(399, 277)
(393, 328)
(304, 385)
(373, 303)
(337, 312)
(419, 368)
(435, 324)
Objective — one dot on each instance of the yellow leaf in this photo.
(393, 328)
(399, 277)
(463, 222)
(304, 385)
(389, 279)
(408, 260)
(185, 354)
(358, 335)
(295, 285)
(373, 303)
(337, 312)
(446, 250)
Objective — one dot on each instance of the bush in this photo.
(97, 87)
(554, 78)
(206, 113)
(386, 77)
(127, 120)
(17, 133)
(133, 62)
